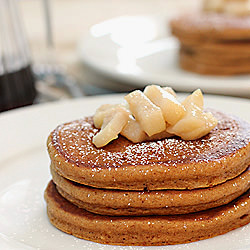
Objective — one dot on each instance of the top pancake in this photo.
(164, 164)
(205, 26)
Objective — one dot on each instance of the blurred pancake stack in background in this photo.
(216, 40)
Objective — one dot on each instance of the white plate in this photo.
(138, 50)
(24, 174)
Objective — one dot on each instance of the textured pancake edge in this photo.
(192, 63)
(145, 231)
(162, 202)
(224, 60)
(84, 176)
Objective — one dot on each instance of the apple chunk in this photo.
(114, 121)
(133, 132)
(195, 123)
(171, 109)
(195, 99)
(101, 112)
(209, 122)
(148, 115)
(170, 91)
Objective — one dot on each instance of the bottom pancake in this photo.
(145, 230)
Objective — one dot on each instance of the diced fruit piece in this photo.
(208, 121)
(239, 8)
(196, 98)
(161, 135)
(101, 112)
(146, 113)
(195, 123)
(185, 125)
(213, 5)
(170, 91)
(133, 131)
(193, 127)
(171, 109)
(112, 125)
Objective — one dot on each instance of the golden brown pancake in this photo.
(171, 163)
(206, 27)
(160, 202)
(239, 49)
(213, 43)
(214, 58)
(211, 66)
(145, 230)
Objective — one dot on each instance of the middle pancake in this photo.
(159, 202)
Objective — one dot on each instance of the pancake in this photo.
(145, 230)
(171, 163)
(210, 27)
(239, 49)
(213, 43)
(161, 202)
(216, 58)
(211, 66)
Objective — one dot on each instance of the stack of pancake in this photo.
(213, 43)
(161, 192)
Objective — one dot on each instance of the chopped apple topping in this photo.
(232, 7)
(133, 132)
(195, 123)
(102, 112)
(114, 121)
(169, 90)
(146, 113)
(152, 115)
(171, 109)
(213, 5)
(161, 135)
(194, 100)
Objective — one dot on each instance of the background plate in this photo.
(138, 50)
(24, 174)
